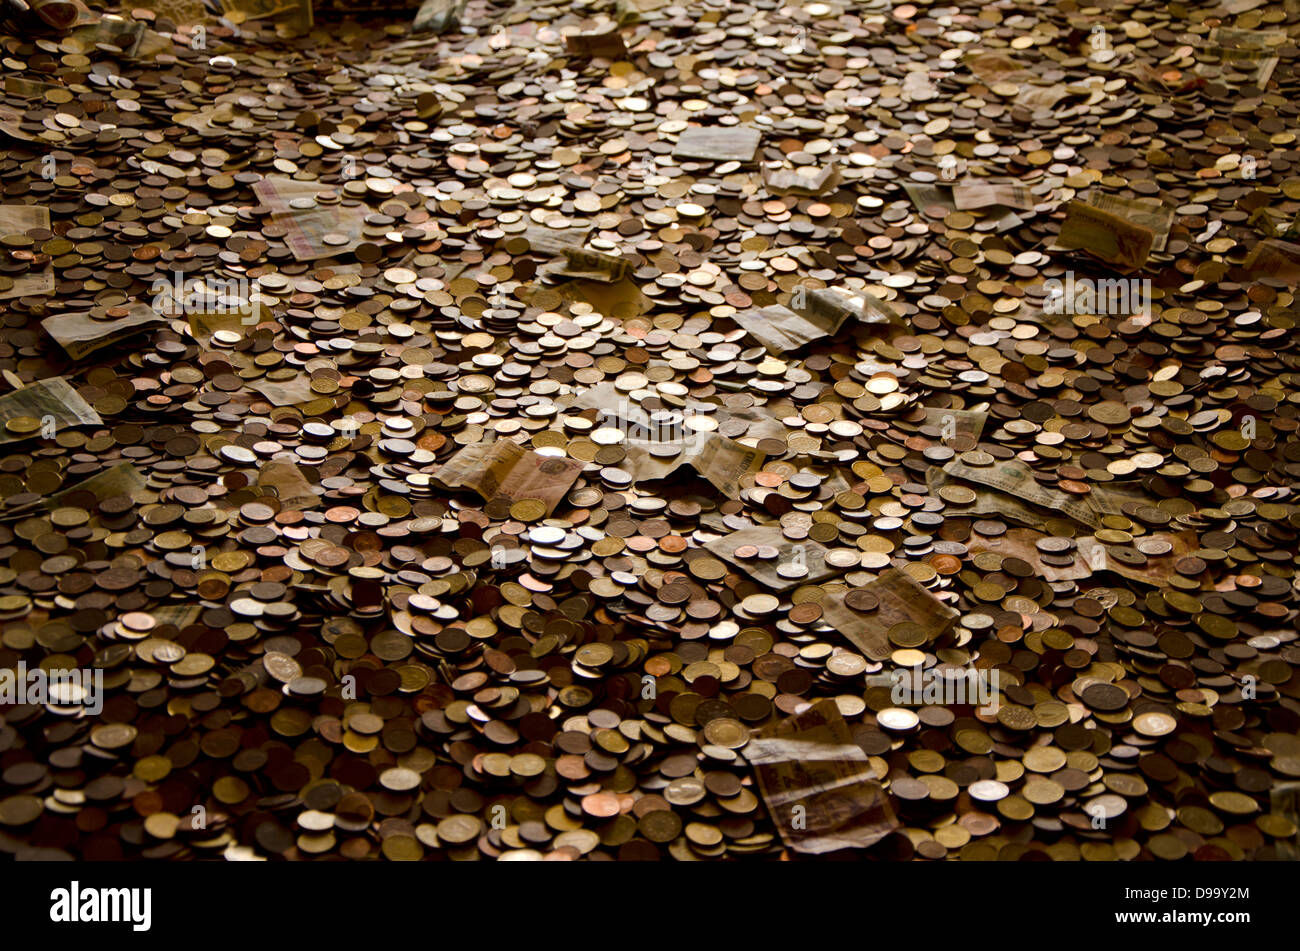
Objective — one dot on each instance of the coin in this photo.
(472, 444)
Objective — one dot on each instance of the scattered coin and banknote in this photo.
(614, 430)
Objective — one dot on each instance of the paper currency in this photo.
(1153, 570)
(1159, 218)
(504, 469)
(721, 461)
(28, 88)
(203, 324)
(607, 44)
(994, 67)
(19, 219)
(813, 314)
(840, 303)
(1041, 97)
(41, 403)
(655, 448)
(123, 479)
(988, 503)
(297, 15)
(926, 195)
(807, 553)
(901, 599)
(974, 195)
(719, 144)
(1005, 499)
(288, 392)
(1106, 236)
(553, 241)
(956, 422)
(288, 484)
(315, 229)
(589, 265)
(1017, 479)
(631, 11)
(781, 330)
(817, 783)
(801, 181)
(126, 35)
(58, 14)
(81, 334)
(1275, 258)
(615, 409)
(438, 16)
(1255, 51)
(1021, 543)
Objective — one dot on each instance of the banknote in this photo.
(818, 785)
(1156, 216)
(1275, 258)
(551, 241)
(588, 265)
(900, 598)
(926, 195)
(605, 44)
(81, 334)
(1041, 97)
(438, 16)
(122, 479)
(631, 11)
(1106, 236)
(126, 35)
(719, 143)
(504, 469)
(1153, 570)
(974, 195)
(19, 219)
(614, 408)
(837, 304)
(1255, 52)
(49, 400)
(287, 483)
(1016, 479)
(292, 391)
(203, 324)
(781, 330)
(721, 461)
(992, 67)
(314, 229)
(956, 422)
(809, 554)
(803, 181)
(988, 502)
(1022, 543)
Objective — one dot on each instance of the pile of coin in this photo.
(616, 431)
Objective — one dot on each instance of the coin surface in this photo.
(543, 440)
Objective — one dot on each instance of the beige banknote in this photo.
(288, 483)
(808, 554)
(52, 400)
(320, 231)
(122, 479)
(975, 195)
(901, 599)
(1123, 244)
(1149, 213)
(818, 785)
(801, 181)
(504, 469)
(81, 334)
(718, 143)
(19, 219)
